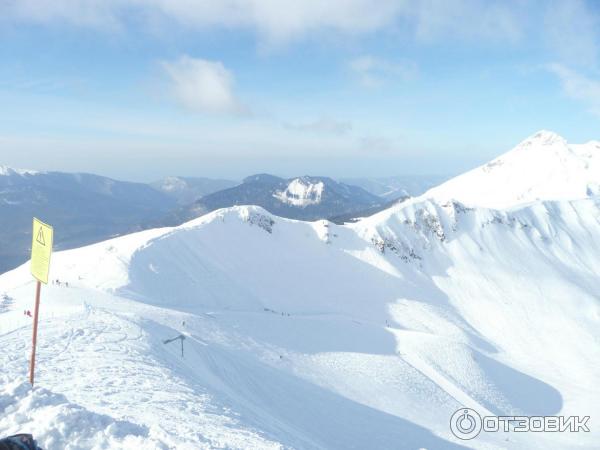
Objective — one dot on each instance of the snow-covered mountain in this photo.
(305, 198)
(542, 167)
(296, 332)
(187, 190)
(84, 208)
(313, 335)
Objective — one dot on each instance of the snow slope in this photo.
(313, 335)
(542, 167)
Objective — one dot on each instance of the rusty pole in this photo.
(35, 327)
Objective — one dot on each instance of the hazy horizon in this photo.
(286, 175)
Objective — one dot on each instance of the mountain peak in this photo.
(6, 171)
(263, 178)
(542, 138)
(172, 183)
(542, 167)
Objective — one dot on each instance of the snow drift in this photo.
(57, 423)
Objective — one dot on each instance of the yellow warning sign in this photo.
(41, 250)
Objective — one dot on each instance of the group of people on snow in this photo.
(57, 282)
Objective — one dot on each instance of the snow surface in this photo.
(312, 335)
(542, 167)
(61, 424)
(301, 193)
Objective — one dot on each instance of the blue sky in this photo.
(140, 90)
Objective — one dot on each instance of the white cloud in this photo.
(203, 86)
(579, 87)
(373, 72)
(570, 28)
(275, 20)
(278, 21)
(324, 125)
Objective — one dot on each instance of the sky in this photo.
(141, 89)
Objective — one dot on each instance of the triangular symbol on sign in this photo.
(40, 237)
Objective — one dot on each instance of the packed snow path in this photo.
(214, 397)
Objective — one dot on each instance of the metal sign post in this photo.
(38, 288)
(181, 337)
(41, 251)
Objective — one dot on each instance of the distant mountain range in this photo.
(397, 187)
(186, 190)
(87, 208)
(304, 198)
(83, 208)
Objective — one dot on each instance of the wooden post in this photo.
(35, 327)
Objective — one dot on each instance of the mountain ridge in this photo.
(305, 197)
(84, 208)
(187, 190)
(542, 167)
(402, 313)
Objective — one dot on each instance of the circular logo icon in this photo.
(465, 423)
